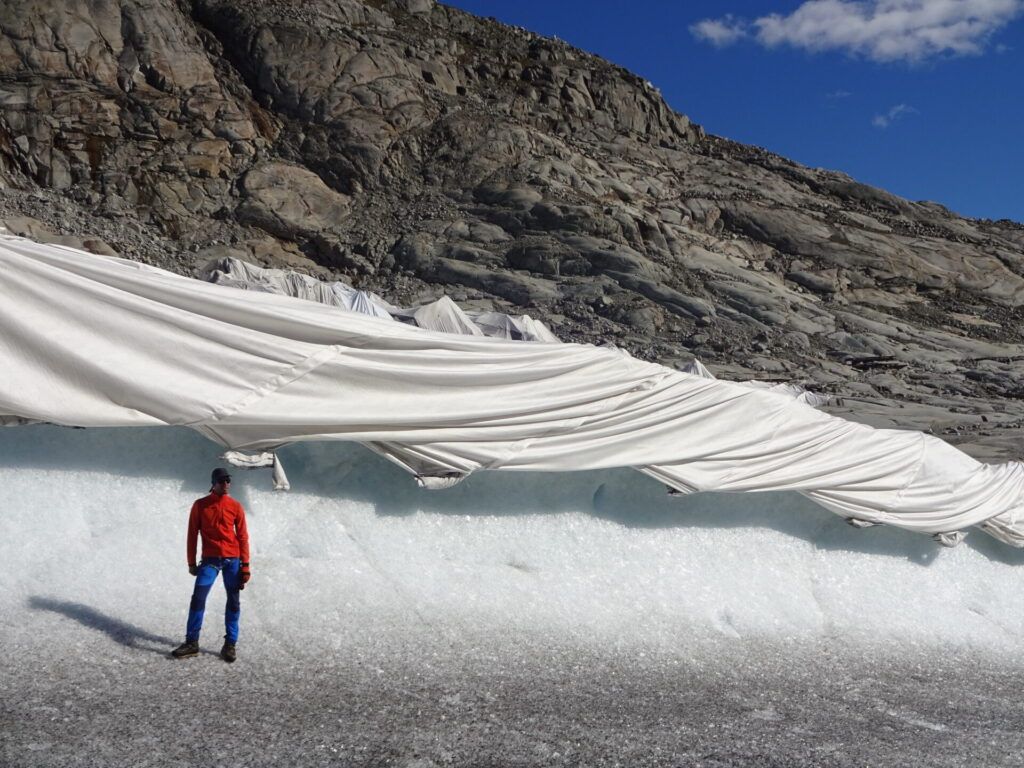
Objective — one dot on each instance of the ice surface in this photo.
(94, 521)
(513, 620)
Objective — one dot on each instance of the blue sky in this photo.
(924, 98)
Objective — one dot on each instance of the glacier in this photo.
(514, 619)
(602, 556)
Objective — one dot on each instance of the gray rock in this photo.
(289, 201)
(824, 281)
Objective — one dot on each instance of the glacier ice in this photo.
(96, 518)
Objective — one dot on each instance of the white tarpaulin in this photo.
(442, 315)
(94, 341)
(520, 327)
(445, 315)
(239, 274)
(697, 368)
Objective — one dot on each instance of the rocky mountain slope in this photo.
(414, 149)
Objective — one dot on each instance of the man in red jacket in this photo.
(220, 520)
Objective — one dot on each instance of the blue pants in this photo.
(208, 570)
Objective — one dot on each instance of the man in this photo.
(220, 520)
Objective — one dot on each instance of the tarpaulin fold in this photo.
(88, 340)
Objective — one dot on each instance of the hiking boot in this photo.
(188, 648)
(228, 652)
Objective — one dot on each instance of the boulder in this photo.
(289, 201)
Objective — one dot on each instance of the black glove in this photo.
(243, 576)
(193, 570)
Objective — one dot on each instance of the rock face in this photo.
(415, 149)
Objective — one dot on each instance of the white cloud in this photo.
(890, 117)
(719, 32)
(882, 30)
(836, 95)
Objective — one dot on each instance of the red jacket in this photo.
(221, 521)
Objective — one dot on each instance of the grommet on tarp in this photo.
(857, 523)
(950, 539)
(439, 482)
(257, 461)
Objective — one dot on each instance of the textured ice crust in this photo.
(94, 521)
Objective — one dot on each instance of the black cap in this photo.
(219, 474)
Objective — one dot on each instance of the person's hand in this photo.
(244, 575)
(193, 570)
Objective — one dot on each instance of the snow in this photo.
(92, 523)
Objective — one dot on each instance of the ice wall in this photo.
(94, 520)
